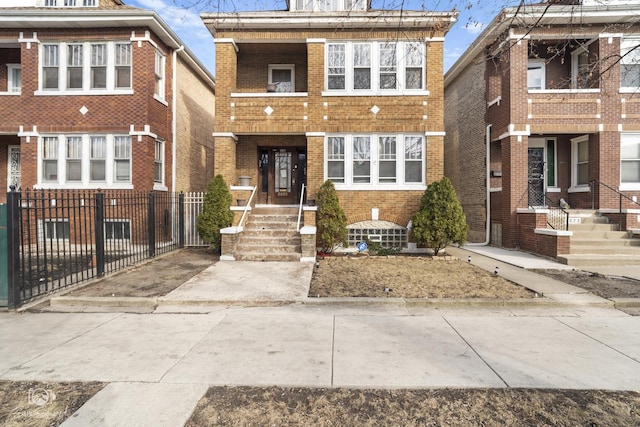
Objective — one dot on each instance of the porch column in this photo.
(224, 159)
(514, 186)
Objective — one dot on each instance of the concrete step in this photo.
(608, 243)
(599, 235)
(266, 249)
(255, 256)
(272, 210)
(261, 240)
(270, 225)
(588, 227)
(582, 260)
(605, 250)
(273, 218)
(270, 233)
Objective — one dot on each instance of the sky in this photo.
(186, 22)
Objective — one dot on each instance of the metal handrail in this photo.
(620, 196)
(561, 225)
(247, 206)
(300, 207)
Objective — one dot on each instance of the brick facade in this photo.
(34, 112)
(304, 117)
(555, 114)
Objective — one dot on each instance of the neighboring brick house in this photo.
(544, 106)
(96, 94)
(338, 91)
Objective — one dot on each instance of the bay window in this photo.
(375, 68)
(377, 161)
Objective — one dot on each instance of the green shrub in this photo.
(216, 212)
(376, 248)
(331, 221)
(440, 220)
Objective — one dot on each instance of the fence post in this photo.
(152, 227)
(181, 220)
(13, 248)
(99, 233)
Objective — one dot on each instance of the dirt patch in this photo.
(598, 284)
(408, 277)
(276, 406)
(155, 278)
(35, 404)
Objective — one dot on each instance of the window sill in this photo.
(549, 91)
(160, 100)
(76, 186)
(10, 93)
(159, 187)
(554, 190)
(82, 92)
(380, 187)
(579, 189)
(329, 93)
(269, 95)
(630, 186)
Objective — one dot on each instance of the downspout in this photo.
(174, 119)
(488, 185)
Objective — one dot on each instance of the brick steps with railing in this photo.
(270, 235)
(595, 241)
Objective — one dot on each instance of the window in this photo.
(328, 5)
(56, 229)
(337, 66)
(98, 159)
(117, 230)
(50, 159)
(413, 159)
(86, 67)
(123, 66)
(50, 64)
(335, 159)
(580, 161)
(158, 169)
(98, 66)
(283, 76)
(74, 158)
(535, 74)
(629, 160)
(630, 63)
(376, 165)
(388, 234)
(388, 66)
(375, 67)
(70, 3)
(361, 159)
(122, 158)
(159, 74)
(74, 66)
(14, 76)
(91, 161)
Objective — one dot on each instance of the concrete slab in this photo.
(621, 334)
(246, 281)
(515, 257)
(25, 337)
(139, 404)
(545, 353)
(254, 348)
(374, 351)
(128, 348)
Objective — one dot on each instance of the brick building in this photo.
(338, 91)
(544, 106)
(97, 94)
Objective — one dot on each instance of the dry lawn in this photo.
(277, 406)
(408, 277)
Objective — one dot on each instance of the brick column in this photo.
(225, 158)
(315, 168)
(514, 186)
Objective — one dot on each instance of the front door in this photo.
(536, 177)
(282, 174)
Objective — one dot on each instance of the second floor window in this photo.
(70, 3)
(630, 63)
(376, 68)
(159, 75)
(85, 67)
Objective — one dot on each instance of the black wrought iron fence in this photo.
(558, 217)
(60, 237)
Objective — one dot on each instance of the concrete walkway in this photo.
(158, 365)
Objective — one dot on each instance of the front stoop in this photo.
(270, 235)
(596, 242)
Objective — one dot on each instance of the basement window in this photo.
(388, 234)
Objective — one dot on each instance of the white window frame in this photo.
(630, 55)
(61, 180)
(537, 64)
(279, 67)
(159, 159)
(87, 83)
(399, 68)
(575, 143)
(575, 65)
(159, 73)
(70, 3)
(543, 143)
(628, 139)
(375, 182)
(43, 229)
(111, 222)
(12, 69)
(333, 5)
